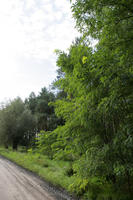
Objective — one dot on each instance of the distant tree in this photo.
(43, 112)
(31, 102)
(17, 124)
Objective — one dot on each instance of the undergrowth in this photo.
(55, 172)
(62, 174)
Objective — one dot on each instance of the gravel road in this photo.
(19, 184)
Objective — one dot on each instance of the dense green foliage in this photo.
(93, 129)
(17, 124)
(40, 108)
(98, 109)
(20, 122)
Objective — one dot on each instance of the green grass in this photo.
(59, 174)
(55, 172)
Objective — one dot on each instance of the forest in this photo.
(87, 116)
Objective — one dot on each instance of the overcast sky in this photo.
(30, 31)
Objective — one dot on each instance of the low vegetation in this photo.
(55, 172)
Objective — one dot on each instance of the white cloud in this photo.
(32, 29)
(30, 4)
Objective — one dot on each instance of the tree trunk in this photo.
(128, 181)
(6, 146)
(15, 145)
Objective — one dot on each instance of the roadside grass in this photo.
(55, 172)
(59, 173)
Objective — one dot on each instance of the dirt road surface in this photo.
(18, 184)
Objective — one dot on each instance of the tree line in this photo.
(21, 121)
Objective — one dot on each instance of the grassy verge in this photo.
(55, 172)
(59, 174)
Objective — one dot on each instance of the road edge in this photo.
(58, 192)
